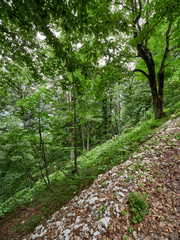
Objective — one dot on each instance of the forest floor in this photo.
(103, 210)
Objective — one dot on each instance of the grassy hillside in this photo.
(35, 204)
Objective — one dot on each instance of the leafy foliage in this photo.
(138, 206)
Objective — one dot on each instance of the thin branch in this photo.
(172, 59)
(147, 24)
(174, 31)
(141, 71)
(65, 173)
(157, 22)
(166, 51)
(174, 47)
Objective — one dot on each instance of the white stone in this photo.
(77, 219)
(128, 162)
(43, 233)
(124, 190)
(92, 200)
(58, 223)
(114, 174)
(120, 199)
(80, 202)
(116, 188)
(34, 236)
(117, 208)
(85, 228)
(71, 214)
(104, 221)
(66, 233)
(64, 208)
(96, 233)
(39, 227)
(100, 228)
(102, 199)
(121, 194)
(77, 226)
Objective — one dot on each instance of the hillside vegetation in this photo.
(33, 205)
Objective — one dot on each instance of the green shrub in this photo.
(138, 206)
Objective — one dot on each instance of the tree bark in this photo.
(156, 82)
(83, 140)
(69, 100)
(43, 154)
(118, 110)
(88, 135)
(75, 127)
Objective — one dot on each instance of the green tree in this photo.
(145, 19)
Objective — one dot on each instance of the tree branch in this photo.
(174, 31)
(174, 47)
(166, 51)
(157, 22)
(172, 59)
(141, 71)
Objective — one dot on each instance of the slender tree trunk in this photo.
(105, 116)
(75, 128)
(69, 100)
(118, 110)
(83, 140)
(111, 130)
(88, 135)
(43, 154)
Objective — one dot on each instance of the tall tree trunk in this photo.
(75, 127)
(105, 116)
(111, 130)
(69, 100)
(118, 110)
(43, 154)
(161, 90)
(157, 100)
(88, 135)
(83, 139)
(156, 82)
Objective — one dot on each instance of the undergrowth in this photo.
(97, 161)
(138, 206)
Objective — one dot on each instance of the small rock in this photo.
(102, 199)
(96, 233)
(58, 223)
(77, 219)
(66, 234)
(80, 202)
(104, 221)
(77, 226)
(92, 200)
(39, 227)
(117, 208)
(121, 194)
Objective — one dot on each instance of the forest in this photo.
(82, 84)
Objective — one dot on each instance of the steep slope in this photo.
(103, 212)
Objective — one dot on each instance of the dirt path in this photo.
(103, 212)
